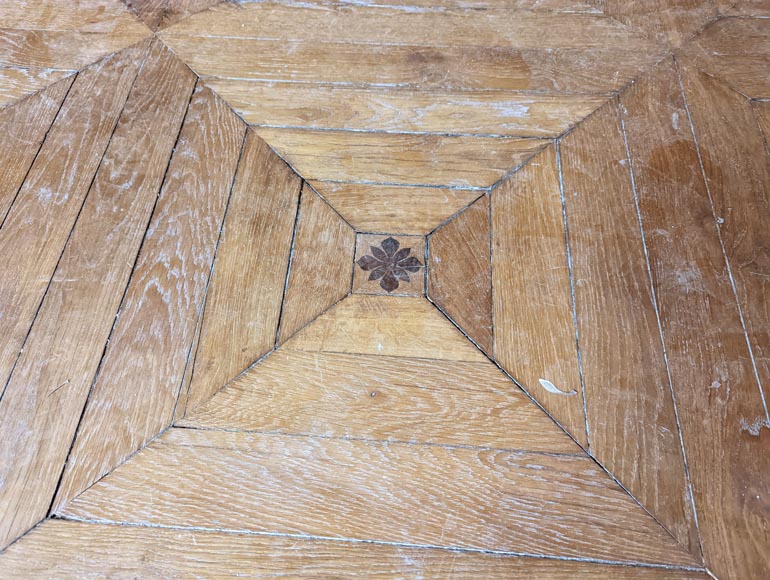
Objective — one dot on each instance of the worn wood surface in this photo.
(762, 112)
(460, 272)
(386, 325)
(424, 495)
(383, 398)
(24, 127)
(17, 82)
(133, 397)
(240, 320)
(534, 334)
(723, 420)
(74, 550)
(162, 13)
(321, 264)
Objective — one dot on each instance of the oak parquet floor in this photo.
(395, 288)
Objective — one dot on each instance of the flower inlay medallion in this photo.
(390, 264)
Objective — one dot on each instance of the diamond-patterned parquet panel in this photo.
(235, 238)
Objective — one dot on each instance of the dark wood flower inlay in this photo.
(389, 264)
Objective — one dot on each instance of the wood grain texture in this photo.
(240, 320)
(424, 495)
(576, 71)
(629, 402)
(750, 8)
(321, 264)
(16, 83)
(386, 325)
(24, 128)
(460, 272)
(134, 395)
(399, 158)
(393, 208)
(762, 112)
(534, 335)
(159, 14)
(74, 550)
(50, 382)
(53, 192)
(383, 398)
(326, 106)
(723, 421)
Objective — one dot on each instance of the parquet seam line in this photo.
(74, 77)
(116, 318)
(458, 550)
(728, 265)
(328, 203)
(292, 250)
(654, 299)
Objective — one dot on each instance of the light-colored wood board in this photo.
(537, 70)
(384, 25)
(394, 208)
(50, 383)
(386, 325)
(243, 305)
(389, 265)
(731, 147)
(41, 218)
(534, 330)
(383, 398)
(629, 402)
(16, 83)
(723, 422)
(24, 128)
(321, 265)
(397, 110)
(751, 8)
(422, 495)
(70, 550)
(61, 49)
(162, 13)
(547, 6)
(92, 16)
(134, 395)
(460, 272)
(399, 158)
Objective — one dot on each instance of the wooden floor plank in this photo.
(134, 395)
(629, 403)
(534, 335)
(383, 398)
(74, 550)
(388, 326)
(393, 208)
(721, 411)
(95, 16)
(581, 71)
(50, 383)
(399, 158)
(52, 194)
(159, 14)
(17, 82)
(460, 272)
(24, 128)
(240, 320)
(422, 495)
(325, 106)
(321, 265)
(762, 112)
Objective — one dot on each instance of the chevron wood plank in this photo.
(462, 112)
(243, 305)
(383, 398)
(534, 334)
(721, 409)
(633, 427)
(16, 83)
(425, 495)
(399, 158)
(321, 267)
(385, 325)
(24, 128)
(460, 272)
(578, 71)
(48, 202)
(393, 208)
(76, 550)
(134, 395)
(50, 382)
(162, 13)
